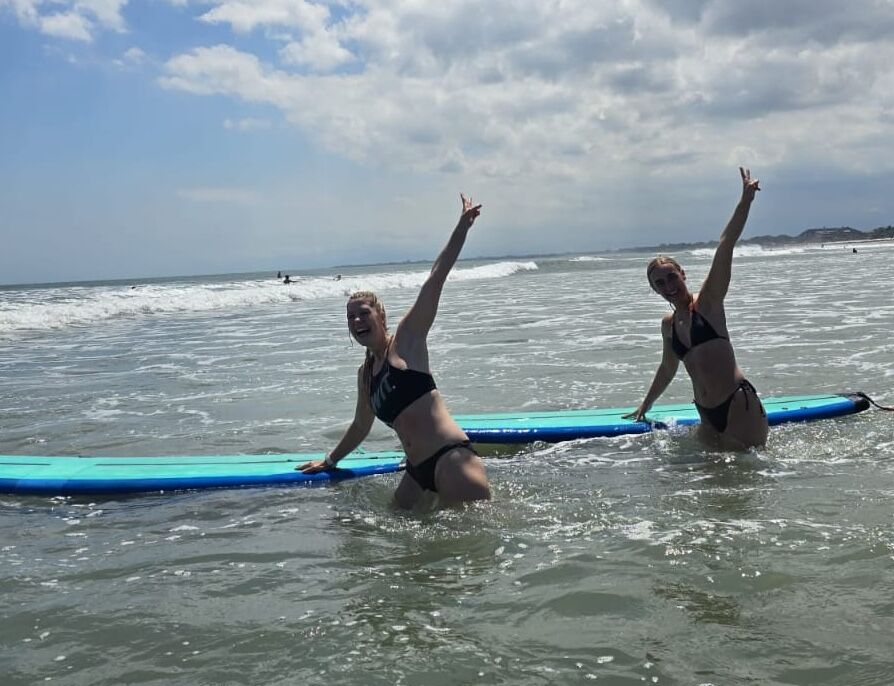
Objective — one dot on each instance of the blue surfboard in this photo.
(566, 425)
(60, 475)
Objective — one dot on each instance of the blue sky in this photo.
(167, 137)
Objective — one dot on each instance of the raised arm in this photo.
(717, 282)
(422, 314)
(356, 432)
(665, 374)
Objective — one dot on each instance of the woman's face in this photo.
(364, 322)
(669, 282)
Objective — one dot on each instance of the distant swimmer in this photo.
(733, 417)
(338, 277)
(278, 275)
(287, 279)
(855, 250)
(395, 384)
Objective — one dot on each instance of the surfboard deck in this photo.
(69, 475)
(566, 425)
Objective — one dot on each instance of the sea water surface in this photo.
(632, 560)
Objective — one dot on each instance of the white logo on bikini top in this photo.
(383, 388)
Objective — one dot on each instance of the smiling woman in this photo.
(695, 333)
(395, 384)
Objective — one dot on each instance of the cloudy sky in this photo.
(160, 137)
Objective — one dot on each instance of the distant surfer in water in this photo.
(733, 417)
(395, 384)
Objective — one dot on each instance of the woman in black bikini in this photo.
(394, 384)
(733, 417)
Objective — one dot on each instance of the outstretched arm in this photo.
(717, 282)
(665, 374)
(422, 314)
(356, 432)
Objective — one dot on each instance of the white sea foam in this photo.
(813, 248)
(281, 378)
(757, 251)
(48, 309)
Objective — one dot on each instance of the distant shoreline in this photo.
(833, 236)
(839, 235)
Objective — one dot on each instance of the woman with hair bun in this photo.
(395, 384)
(695, 333)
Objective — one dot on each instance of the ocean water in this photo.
(633, 560)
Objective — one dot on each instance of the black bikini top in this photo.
(392, 390)
(700, 332)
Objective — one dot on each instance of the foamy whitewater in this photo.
(641, 559)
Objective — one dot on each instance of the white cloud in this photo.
(25, 10)
(244, 16)
(545, 99)
(106, 12)
(320, 51)
(134, 55)
(70, 19)
(66, 25)
(544, 102)
(246, 124)
(219, 195)
(223, 70)
(131, 58)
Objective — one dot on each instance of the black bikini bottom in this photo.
(424, 472)
(718, 416)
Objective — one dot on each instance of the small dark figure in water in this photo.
(287, 279)
(278, 275)
(338, 277)
(855, 250)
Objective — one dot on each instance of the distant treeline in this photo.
(823, 235)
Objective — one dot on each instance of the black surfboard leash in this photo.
(867, 398)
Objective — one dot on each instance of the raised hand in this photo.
(470, 211)
(749, 186)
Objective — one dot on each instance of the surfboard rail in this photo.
(71, 475)
(566, 425)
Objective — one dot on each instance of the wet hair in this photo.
(662, 261)
(373, 301)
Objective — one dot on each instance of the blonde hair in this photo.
(662, 261)
(373, 301)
